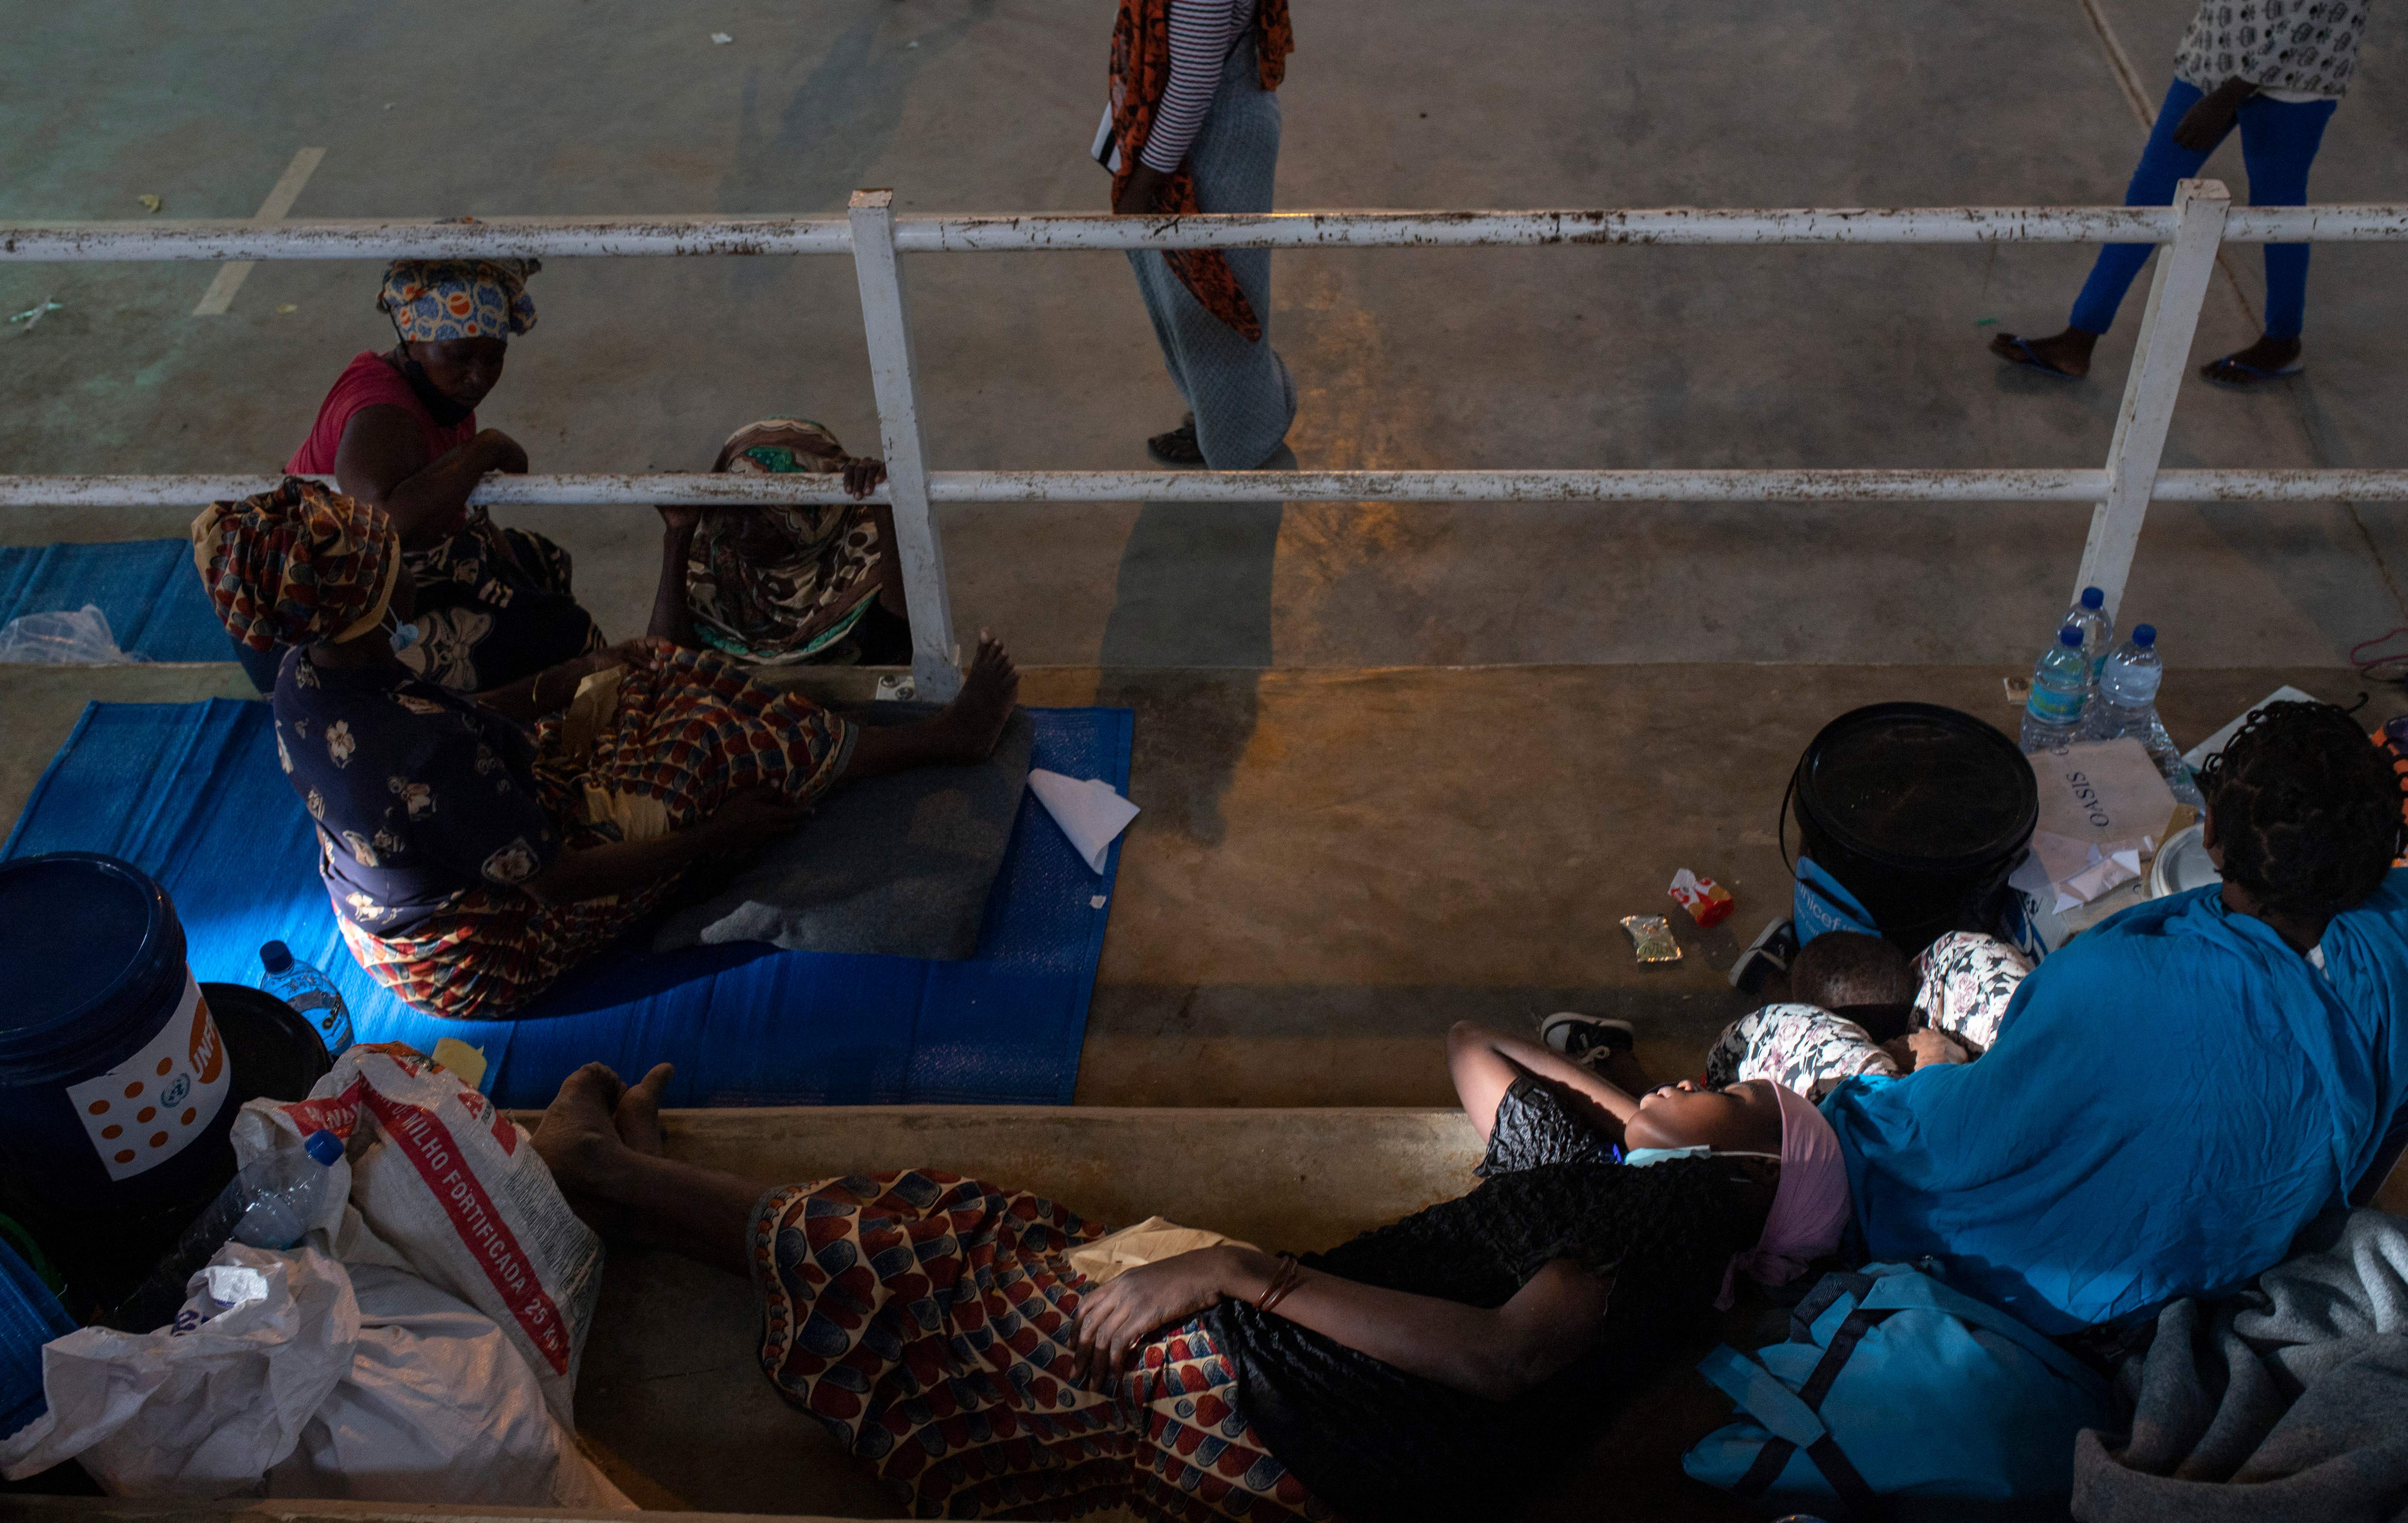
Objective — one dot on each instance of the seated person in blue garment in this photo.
(2168, 1099)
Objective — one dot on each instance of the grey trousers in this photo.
(1241, 394)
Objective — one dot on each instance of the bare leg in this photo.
(700, 1213)
(963, 735)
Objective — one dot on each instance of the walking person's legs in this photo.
(2278, 144)
(1239, 395)
(2163, 164)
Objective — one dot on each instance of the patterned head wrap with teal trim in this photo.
(431, 300)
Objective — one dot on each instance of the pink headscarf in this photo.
(1810, 1206)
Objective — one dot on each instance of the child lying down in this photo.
(1857, 1006)
(1439, 1367)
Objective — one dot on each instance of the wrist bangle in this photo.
(1283, 1281)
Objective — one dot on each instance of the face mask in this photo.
(446, 412)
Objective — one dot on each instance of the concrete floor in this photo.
(1703, 357)
(1400, 765)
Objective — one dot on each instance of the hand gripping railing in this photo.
(2198, 221)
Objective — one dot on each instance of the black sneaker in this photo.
(1178, 448)
(1588, 1040)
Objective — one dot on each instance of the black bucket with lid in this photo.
(114, 1081)
(1919, 811)
(120, 1073)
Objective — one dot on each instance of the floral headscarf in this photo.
(431, 300)
(298, 564)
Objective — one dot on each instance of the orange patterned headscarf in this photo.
(298, 565)
(1140, 71)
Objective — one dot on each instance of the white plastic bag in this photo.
(285, 1375)
(454, 1187)
(78, 638)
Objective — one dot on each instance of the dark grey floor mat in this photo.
(898, 866)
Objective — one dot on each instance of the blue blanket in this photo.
(146, 586)
(2173, 1096)
(193, 794)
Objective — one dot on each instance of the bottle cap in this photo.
(2093, 598)
(275, 957)
(2145, 636)
(2069, 635)
(325, 1146)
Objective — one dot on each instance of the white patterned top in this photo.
(2286, 48)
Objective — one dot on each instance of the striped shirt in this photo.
(1202, 35)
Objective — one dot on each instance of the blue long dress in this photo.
(2173, 1096)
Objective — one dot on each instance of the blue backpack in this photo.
(1893, 1389)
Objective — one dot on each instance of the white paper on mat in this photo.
(1090, 812)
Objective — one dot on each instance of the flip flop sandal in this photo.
(2033, 361)
(2251, 374)
(1179, 447)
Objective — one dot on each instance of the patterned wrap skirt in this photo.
(926, 1320)
(688, 731)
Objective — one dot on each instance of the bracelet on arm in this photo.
(1283, 1281)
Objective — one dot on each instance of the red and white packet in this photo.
(454, 1187)
(1706, 900)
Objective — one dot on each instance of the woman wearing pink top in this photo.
(399, 429)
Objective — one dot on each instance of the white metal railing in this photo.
(2199, 221)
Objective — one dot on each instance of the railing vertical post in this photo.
(887, 322)
(2176, 293)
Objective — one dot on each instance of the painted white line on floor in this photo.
(2128, 80)
(232, 274)
(2119, 63)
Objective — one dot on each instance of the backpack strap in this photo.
(1793, 1419)
(1921, 1292)
(1830, 1287)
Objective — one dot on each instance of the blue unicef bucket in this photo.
(116, 1088)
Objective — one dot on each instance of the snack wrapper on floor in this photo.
(1707, 902)
(1652, 936)
(454, 1187)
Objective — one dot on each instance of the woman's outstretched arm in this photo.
(1496, 1355)
(1484, 1064)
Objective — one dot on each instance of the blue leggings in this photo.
(2278, 142)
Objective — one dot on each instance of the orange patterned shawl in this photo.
(1140, 71)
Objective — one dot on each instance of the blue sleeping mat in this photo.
(192, 793)
(147, 587)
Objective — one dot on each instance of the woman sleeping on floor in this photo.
(477, 847)
(1438, 1367)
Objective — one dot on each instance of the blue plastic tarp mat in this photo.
(192, 793)
(147, 587)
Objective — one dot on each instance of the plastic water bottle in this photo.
(2090, 615)
(268, 1205)
(2128, 690)
(2060, 692)
(309, 991)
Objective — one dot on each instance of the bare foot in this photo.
(577, 1138)
(2268, 358)
(637, 1118)
(973, 722)
(2063, 354)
